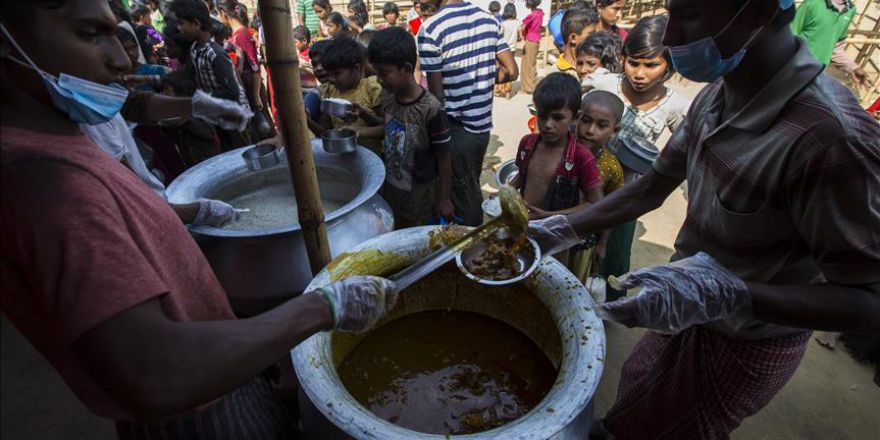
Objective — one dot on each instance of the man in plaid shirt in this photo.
(210, 64)
(781, 234)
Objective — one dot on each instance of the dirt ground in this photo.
(830, 397)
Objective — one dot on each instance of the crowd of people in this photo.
(781, 165)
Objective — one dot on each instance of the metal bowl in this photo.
(529, 258)
(335, 107)
(339, 141)
(506, 171)
(261, 157)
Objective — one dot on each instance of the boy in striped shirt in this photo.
(459, 48)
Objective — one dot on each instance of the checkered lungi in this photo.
(252, 411)
(699, 384)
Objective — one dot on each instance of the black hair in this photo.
(427, 7)
(317, 49)
(605, 46)
(324, 4)
(173, 37)
(581, 5)
(645, 40)
(343, 53)
(365, 37)
(339, 20)
(235, 10)
(220, 31)
(607, 100)
(494, 6)
(605, 3)
(509, 12)
(181, 82)
(361, 17)
(302, 33)
(574, 22)
(394, 46)
(118, 10)
(125, 36)
(556, 91)
(138, 12)
(390, 8)
(192, 10)
(532, 4)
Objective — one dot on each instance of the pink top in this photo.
(84, 239)
(531, 26)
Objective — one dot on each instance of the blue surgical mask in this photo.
(84, 102)
(701, 61)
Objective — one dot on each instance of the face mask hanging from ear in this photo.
(84, 102)
(701, 61)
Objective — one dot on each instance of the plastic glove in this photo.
(214, 213)
(675, 296)
(554, 234)
(358, 302)
(226, 114)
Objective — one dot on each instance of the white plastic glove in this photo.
(358, 302)
(554, 234)
(214, 213)
(226, 114)
(692, 291)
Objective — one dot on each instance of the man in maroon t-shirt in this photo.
(101, 276)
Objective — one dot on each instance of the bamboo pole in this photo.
(283, 62)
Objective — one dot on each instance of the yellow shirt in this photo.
(368, 94)
(565, 67)
(610, 170)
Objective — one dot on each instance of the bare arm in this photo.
(509, 71)
(145, 107)
(625, 204)
(435, 86)
(832, 307)
(160, 367)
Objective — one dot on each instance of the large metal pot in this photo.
(556, 313)
(262, 268)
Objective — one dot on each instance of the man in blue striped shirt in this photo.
(463, 54)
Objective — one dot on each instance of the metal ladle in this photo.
(514, 215)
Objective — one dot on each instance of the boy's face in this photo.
(191, 30)
(596, 125)
(346, 78)
(392, 18)
(554, 125)
(393, 78)
(318, 70)
(645, 73)
(300, 44)
(574, 40)
(587, 64)
(320, 12)
(612, 13)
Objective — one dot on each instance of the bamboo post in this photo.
(283, 62)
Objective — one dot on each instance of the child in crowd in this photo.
(322, 9)
(210, 64)
(531, 32)
(391, 13)
(576, 25)
(302, 38)
(343, 62)
(358, 17)
(557, 174)
(336, 26)
(598, 123)
(176, 46)
(598, 55)
(495, 10)
(157, 18)
(414, 17)
(510, 33)
(145, 77)
(426, 11)
(416, 132)
(195, 139)
(650, 110)
(312, 99)
(610, 12)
